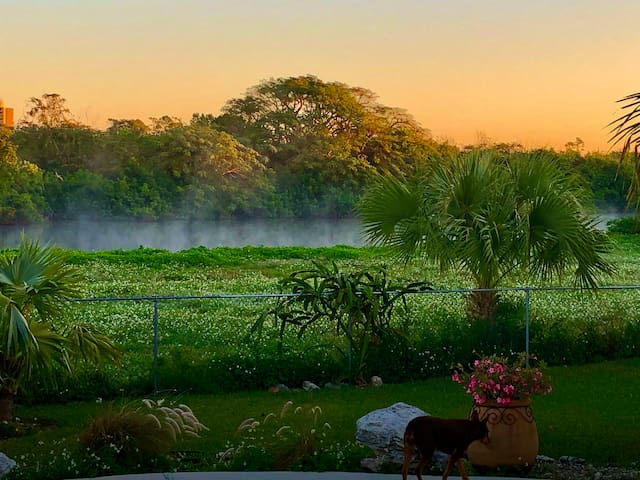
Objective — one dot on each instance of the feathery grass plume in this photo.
(139, 433)
(286, 438)
(285, 408)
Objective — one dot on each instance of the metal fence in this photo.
(164, 305)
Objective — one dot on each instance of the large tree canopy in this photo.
(489, 217)
(304, 123)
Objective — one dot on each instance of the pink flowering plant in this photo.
(498, 379)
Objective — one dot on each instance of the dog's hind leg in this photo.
(420, 467)
(409, 448)
(425, 458)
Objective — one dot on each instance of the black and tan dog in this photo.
(428, 434)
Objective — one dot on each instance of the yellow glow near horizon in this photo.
(536, 72)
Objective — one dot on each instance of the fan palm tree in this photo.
(488, 217)
(35, 284)
(626, 130)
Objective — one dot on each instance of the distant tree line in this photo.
(291, 147)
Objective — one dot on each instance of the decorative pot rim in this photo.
(523, 402)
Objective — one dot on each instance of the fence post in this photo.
(156, 341)
(526, 324)
(349, 332)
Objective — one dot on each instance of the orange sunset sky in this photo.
(538, 72)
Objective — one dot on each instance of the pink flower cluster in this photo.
(497, 379)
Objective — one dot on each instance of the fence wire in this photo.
(148, 327)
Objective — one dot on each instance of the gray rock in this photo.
(382, 431)
(544, 459)
(6, 464)
(572, 460)
(334, 386)
(308, 386)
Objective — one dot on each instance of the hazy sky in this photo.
(540, 72)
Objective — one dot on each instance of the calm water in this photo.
(178, 235)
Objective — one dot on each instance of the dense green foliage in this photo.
(628, 224)
(291, 147)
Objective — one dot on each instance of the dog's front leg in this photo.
(463, 472)
(450, 463)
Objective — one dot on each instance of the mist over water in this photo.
(176, 235)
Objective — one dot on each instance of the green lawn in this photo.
(592, 413)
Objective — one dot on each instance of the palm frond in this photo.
(15, 335)
(88, 344)
(391, 215)
(626, 128)
(39, 277)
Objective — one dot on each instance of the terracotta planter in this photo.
(513, 435)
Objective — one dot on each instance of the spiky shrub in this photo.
(139, 433)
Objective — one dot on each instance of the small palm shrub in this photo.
(136, 434)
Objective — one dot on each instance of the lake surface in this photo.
(178, 235)
(175, 235)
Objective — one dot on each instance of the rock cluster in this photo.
(310, 386)
(574, 468)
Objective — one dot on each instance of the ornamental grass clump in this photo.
(137, 433)
(499, 379)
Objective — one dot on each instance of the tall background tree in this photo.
(322, 139)
(49, 111)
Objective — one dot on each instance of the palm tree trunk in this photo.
(7, 406)
(482, 305)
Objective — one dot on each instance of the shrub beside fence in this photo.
(202, 343)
